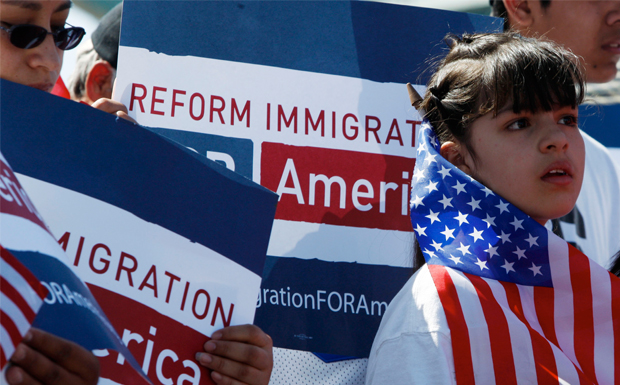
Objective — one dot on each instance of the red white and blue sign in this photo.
(171, 244)
(38, 286)
(308, 99)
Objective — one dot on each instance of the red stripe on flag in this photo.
(461, 348)
(544, 301)
(615, 312)
(499, 334)
(3, 360)
(544, 360)
(24, 272)
(582, 308)
(9, 325)
(15, 296)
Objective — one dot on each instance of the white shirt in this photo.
(413, 344)
(598, 205)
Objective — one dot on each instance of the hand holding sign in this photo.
(43, 358)
(238, 355)
(113, 107)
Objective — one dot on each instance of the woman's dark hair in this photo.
(482, 73)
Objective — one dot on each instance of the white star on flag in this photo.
(477, 235)
(489, 220)
(418, 173)
(454, 259)
(459, 187)
(492, 251)
(482, 264)
(422, 147)
(446, 202)
(432, 186)
(520, 253)
(416, 202)
(463, 249)
(430, 157)
(436, 245)
(532, 240)
(430, 253)
(448, 233)
(444, 172)
(486, 191)
(535, 269)
(502, 206)
(434, 217)
(475, 204)
(508, 266)
(504, 237)
(462, 218)
(517, 224)
(420, 230)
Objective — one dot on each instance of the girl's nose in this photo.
(554, 138)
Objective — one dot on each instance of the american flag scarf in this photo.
(521, 303)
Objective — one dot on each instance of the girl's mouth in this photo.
(557, 176)
(557, 172)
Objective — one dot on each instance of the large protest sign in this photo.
(171, 243)
(38, 286)
(308, 99)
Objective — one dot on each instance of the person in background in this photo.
(591, 30)
(95, 68)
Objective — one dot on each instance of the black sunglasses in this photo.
(29, 36)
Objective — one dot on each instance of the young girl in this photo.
(500, 299)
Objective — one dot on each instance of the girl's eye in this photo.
(568, 120)
(518, 124)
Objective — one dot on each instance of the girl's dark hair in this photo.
(482, 73)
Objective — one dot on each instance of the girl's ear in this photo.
(519, 13)
(455, 154)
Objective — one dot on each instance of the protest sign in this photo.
(171, 244)
(36, 278)
(308, 99)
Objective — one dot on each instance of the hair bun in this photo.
(435, 93)
(467, 39)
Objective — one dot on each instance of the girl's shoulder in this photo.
(415, 309)
(413, 337)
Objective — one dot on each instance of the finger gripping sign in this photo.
(308, 99)
(170, 243)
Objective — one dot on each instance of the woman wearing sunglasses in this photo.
(33, 38)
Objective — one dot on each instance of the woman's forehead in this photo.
(37, 5)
